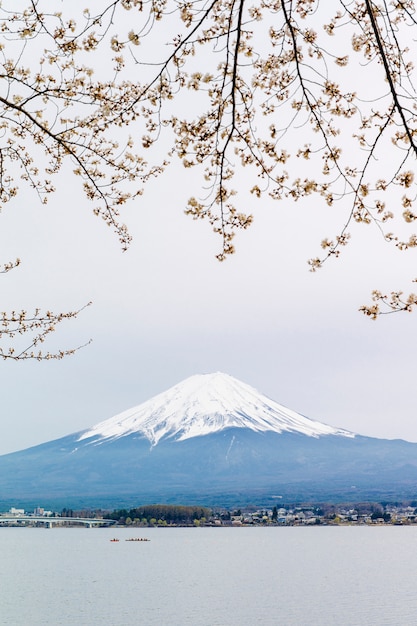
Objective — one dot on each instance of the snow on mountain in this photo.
(206, 404)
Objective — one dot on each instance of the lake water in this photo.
(209, 576)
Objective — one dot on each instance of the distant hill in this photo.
(209, 440)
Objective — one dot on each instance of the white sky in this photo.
(167, 309)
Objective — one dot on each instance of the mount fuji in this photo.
(204, 405)
(211, 439)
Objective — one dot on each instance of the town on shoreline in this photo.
(159, 515)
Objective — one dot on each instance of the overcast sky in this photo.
(166, 310)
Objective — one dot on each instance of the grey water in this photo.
(209, 576)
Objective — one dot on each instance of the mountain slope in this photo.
(209, 440)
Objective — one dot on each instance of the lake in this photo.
(209, 576)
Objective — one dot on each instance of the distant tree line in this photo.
(81, 513)
(160, 513)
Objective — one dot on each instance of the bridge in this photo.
(49, 522)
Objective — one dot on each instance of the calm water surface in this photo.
(209, 576)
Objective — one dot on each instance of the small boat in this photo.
(114, 539)
(138, 539)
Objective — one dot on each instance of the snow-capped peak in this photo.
(205, 404)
